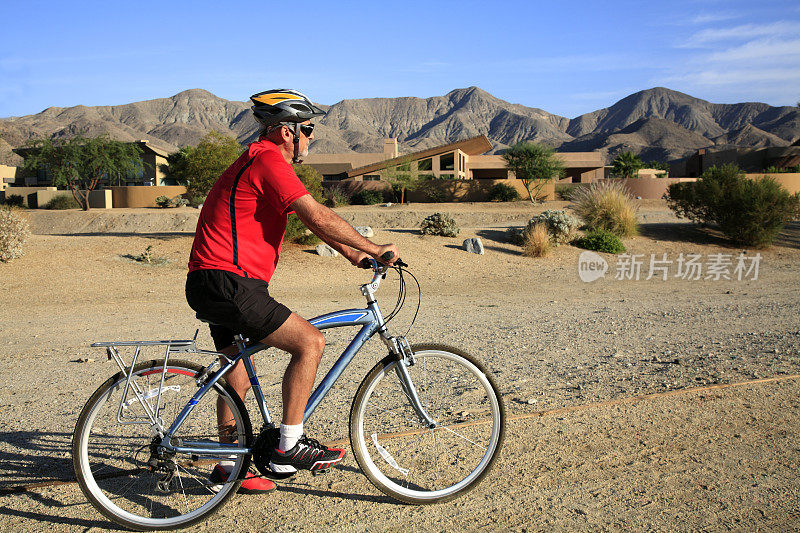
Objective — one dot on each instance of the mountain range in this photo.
(658, 124)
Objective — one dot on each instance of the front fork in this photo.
(401, 349)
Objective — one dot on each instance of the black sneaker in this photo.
(307, 454)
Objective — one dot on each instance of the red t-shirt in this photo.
(244, 217)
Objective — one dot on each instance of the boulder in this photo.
(323, 250)
(474, 246)
(365, 231)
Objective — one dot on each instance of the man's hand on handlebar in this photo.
(387, 254)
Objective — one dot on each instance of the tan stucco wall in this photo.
(28, 194)
(6, 173)
(143, 196)
(99, 199)
(648, 188)
(790, 181)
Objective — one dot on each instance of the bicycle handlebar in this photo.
(368, 262)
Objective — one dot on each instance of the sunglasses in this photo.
(307, 129)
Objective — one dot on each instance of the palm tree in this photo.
(626, 165)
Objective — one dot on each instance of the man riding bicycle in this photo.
(235, 252)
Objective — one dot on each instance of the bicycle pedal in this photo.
(320, 471)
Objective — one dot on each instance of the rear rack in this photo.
(140, 396)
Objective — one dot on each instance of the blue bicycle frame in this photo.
(371, 321)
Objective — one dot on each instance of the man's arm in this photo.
(335, 231)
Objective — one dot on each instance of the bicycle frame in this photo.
(370, 320)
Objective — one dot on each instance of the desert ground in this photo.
(634, 404)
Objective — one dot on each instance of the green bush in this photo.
(748, 212)
(14, 200)
(62, 201)
(502, 192)
(564, 191)
(336, 195)
(600, 241)
(367, 197)
(606, 205)
(298, 233)
(14, 232)
(196, 200)
(164, 201)
(439, 224)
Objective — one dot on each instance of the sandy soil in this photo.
(710, 459)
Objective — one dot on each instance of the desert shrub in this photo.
(433, 193)
(367, 197)
(537, 241)
(180, 201)
(298, 233)
(564, 191)
(14, 200)
(62, 201)
(600, 241)
(782, 170)
(560, 225)
(607, 206)
(196, 200)
(439, 224)
(749, 212)
(14, 231)
(164, 201)
(502, 192)
(336, 195)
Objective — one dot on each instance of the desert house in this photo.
(454, 171)
(36, 188)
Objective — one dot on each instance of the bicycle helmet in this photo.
(283, 105)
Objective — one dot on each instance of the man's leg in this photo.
(305, 344)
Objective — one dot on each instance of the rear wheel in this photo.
(114, 461)
(408, 460)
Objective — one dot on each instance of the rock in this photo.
(365, 231)
(323, 250)
(474, 246)
(532, 401)
(387, 204)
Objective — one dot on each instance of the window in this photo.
(447, 161)
(371, 177)
(334, 177)
(425, 164)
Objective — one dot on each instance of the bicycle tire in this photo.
(446, 461)
(110, 458)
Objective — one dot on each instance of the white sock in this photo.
(289, 436)
(227, 465)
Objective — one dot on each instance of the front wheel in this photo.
(114, 440)
(405, 458)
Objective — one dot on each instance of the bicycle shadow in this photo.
(34, 457)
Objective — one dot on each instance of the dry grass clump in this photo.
(537, 241)
(606, 206)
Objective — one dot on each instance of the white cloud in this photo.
(745, 31)
(771, 50)
(713, 17)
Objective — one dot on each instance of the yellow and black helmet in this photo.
(283, 105)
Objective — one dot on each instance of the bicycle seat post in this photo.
(240, 342)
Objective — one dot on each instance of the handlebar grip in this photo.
(365, 263)
(387, 256)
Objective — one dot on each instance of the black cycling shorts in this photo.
(234, 304)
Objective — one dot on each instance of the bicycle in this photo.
(426, 423)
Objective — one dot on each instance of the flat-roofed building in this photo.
(461, 160)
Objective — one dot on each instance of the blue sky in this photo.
(565, 57)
